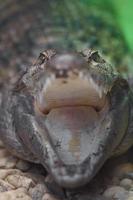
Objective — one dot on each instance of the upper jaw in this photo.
(75, 90)
(69, 80)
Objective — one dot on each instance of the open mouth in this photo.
(75, 107)
(75, 90)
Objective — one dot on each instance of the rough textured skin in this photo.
(48, 26)
(34, 138)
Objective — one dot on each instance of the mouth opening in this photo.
(74, 108)
(72, 91)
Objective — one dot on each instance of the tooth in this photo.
(92, 83)
(105, 91)
(100, 93)
(52, 77)
(48, 82)
(81, 75)
(97, 88)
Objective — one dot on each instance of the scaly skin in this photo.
(36, 119)
(27, 133)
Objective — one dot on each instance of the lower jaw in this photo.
(74, 129)
(74, 135)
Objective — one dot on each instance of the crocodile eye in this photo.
(96, 57)
(42, 58)
(45, 56)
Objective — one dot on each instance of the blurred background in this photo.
(124, 14)
(28, 27)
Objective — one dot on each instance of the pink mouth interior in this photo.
(74, 92)
(73, 128)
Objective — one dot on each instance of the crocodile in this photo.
(69, 111)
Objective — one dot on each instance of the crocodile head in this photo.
(83, 107)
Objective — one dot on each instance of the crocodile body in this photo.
(37, 130)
